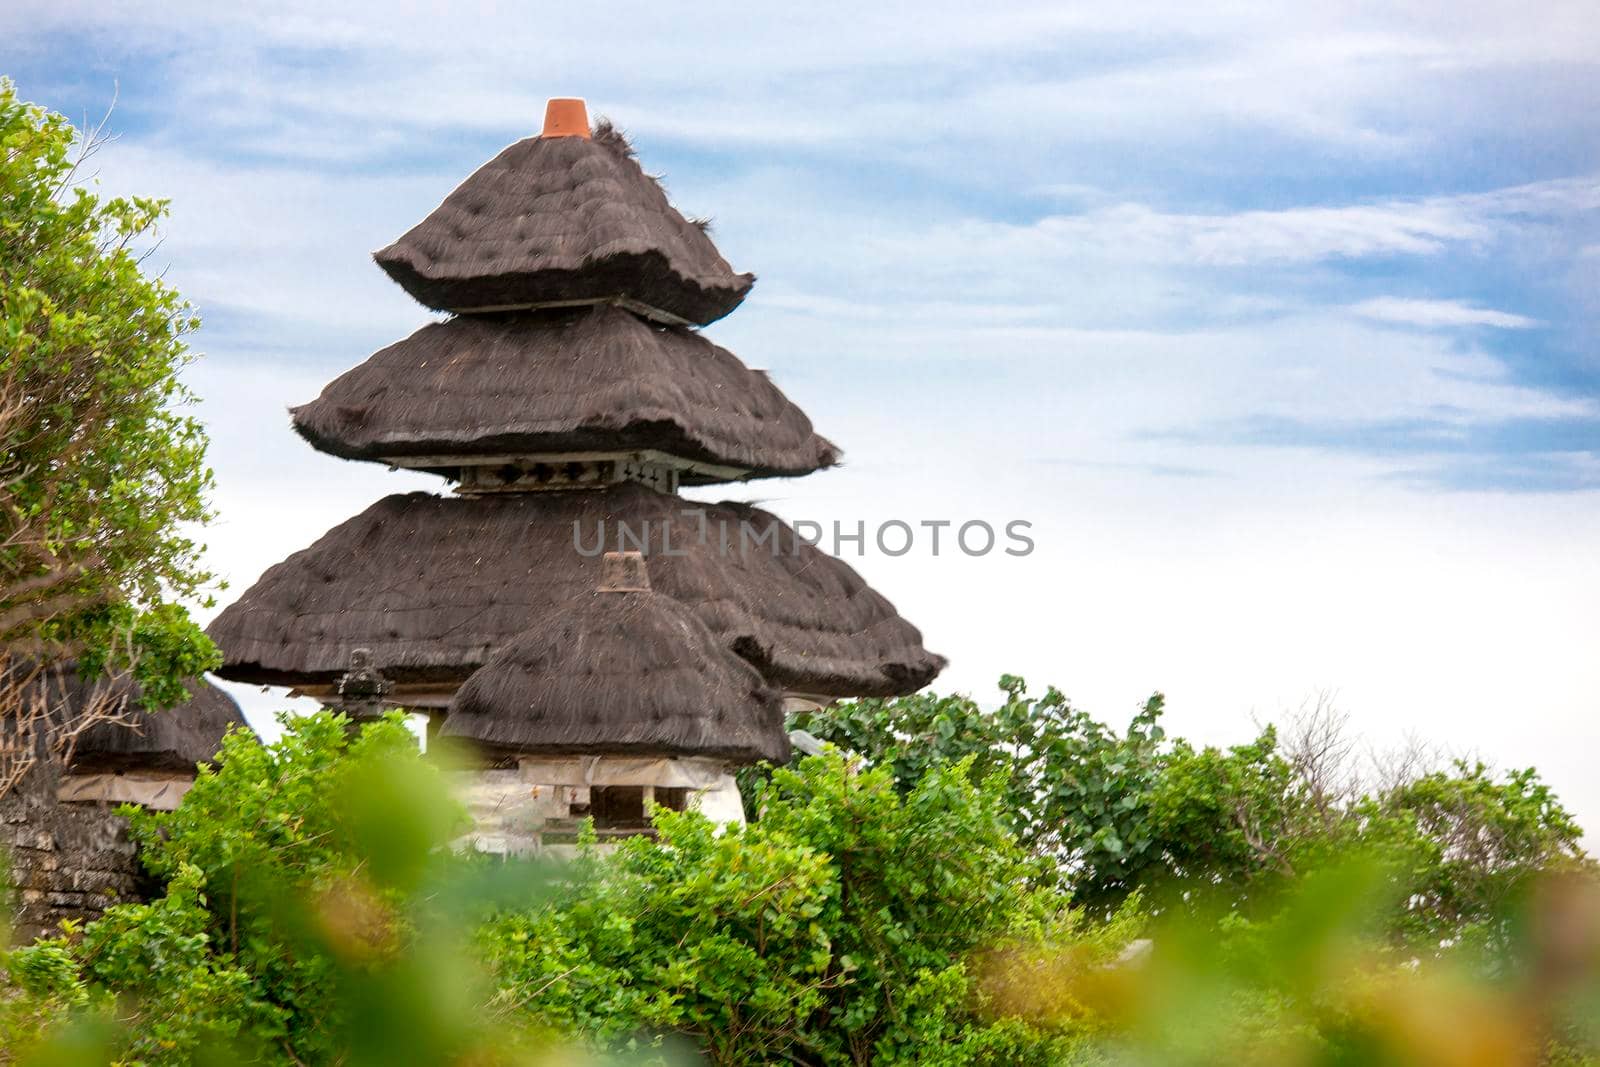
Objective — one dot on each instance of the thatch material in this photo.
(630, 673)
(434, 585)
(170, 739)
(563, 219)
(576, 381)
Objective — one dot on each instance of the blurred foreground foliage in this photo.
(1023, 886)
(311, 915)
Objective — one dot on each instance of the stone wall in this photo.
(66, 861)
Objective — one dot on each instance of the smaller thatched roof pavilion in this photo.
(125, 753)
(68, 854)
(572, 382)
(564, 218)
(174, 739)
(621, 670)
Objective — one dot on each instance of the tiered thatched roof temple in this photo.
(568, 397)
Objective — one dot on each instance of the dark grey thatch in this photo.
(434, 585)
(620, 672)
(171, 739)
(574, 381)
(561, 219)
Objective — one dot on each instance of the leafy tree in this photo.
(1477, 844)
(1117, 813)
(1074, 791)
(101, 473)
(1462, 845)
(1226, 821)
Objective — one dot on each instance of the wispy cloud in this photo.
(1134, 232)
(1549, 473)
(1430, 313)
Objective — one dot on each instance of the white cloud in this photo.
(285, 245)
(1410, 312)
(1349, 76)
(1133, 232)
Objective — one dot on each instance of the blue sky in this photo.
(1278, 325)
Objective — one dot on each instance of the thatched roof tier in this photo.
(169, 739)
(174, 739)
(564, 219)
(434, 585)
(631, 673)
(584, 380)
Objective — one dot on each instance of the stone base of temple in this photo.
(67, 860)
(539, 806)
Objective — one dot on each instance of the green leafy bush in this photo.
(838, 928)
(312, 914)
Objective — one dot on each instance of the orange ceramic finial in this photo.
(566, 116)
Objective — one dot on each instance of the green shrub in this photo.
(838, 928)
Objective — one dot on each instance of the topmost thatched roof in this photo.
(554, 219)
(625, 671)
(170, 739)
